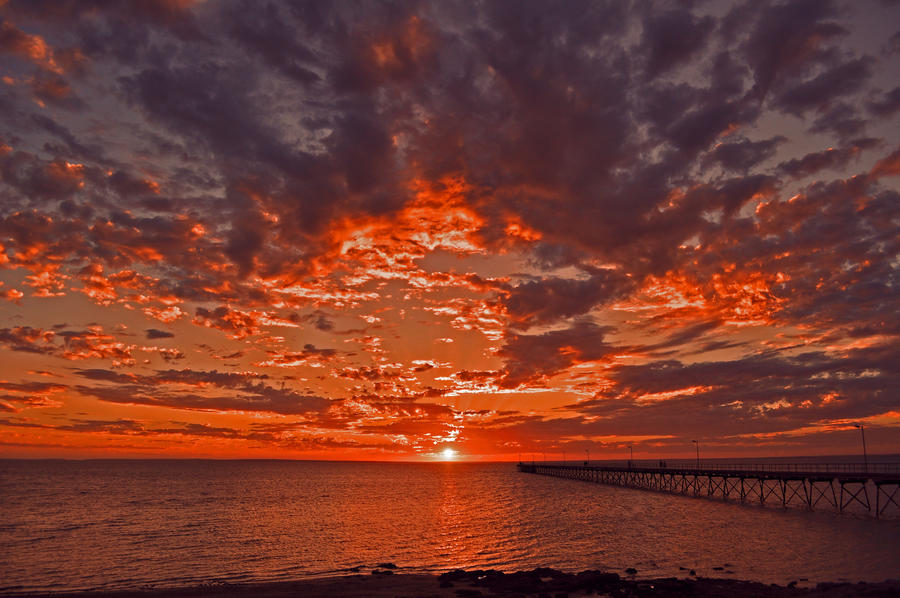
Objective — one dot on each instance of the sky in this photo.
(382, 230)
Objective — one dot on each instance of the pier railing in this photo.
(798, 467)
(825, 468)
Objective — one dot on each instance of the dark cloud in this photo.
(71, 146)
(189, 377)
(30, 387)
(887, 166)
(893, 44)
(756, 394)
(119, 28)
(369, 373)
(532, 358)
(204, 102)
(39, 179)
(320, 320)
(842, 119)
(832, 158)
(742, 155)
(688, 334)
(785, 38)
(125, 427)
(120, 426)
(269, 32)
(258, 398)
(310, 353)
(671, 38)
(27, 339)
(54, 89)
(888, 105)
(155, 333)
(823, 89)
(476, 375)
(842, 224)
(550, 299)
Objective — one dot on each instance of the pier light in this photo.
(862, 431)
(697, 442)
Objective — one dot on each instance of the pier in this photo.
(842, 486)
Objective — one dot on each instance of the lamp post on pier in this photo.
(630, 456)
(587, 456)
(862, 431)
(697, 442)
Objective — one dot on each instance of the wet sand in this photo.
(538, 583)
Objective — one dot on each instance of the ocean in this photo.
(77, 525)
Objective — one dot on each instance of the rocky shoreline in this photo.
(383, 582)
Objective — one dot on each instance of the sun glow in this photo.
(448, 454)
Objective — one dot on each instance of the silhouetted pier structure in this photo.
(840, 485)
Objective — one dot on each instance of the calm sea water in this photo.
(129, 524)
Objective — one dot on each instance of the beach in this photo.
(538, 583)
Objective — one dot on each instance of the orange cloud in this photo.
(29, 47)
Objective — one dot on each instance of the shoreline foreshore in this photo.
(537, 583)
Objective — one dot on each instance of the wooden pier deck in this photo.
(842, 486)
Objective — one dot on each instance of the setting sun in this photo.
(448, 454)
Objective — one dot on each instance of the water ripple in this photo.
(162, 524)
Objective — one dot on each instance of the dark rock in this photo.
(595, 580)
(523, 582)
(547, 572)
(692, 572)
(631, 571)
(380, 572)
(387, 566)
(718, 568)
(792, 584)
(668, 587)
(486, 576)
(455, 575)
(682, 568)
